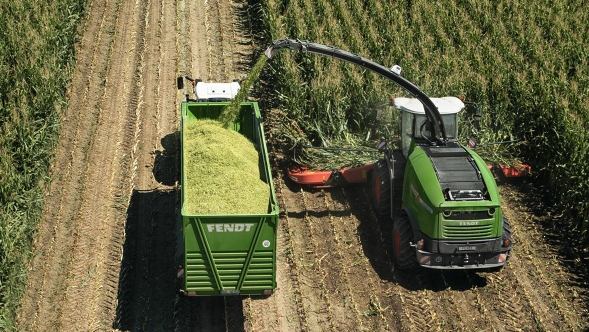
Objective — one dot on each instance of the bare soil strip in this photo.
(96, 222)
(287, 298)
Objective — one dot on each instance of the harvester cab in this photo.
(440, 196)
(414, 124)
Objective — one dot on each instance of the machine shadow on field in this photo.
(375, 236)
(563, 239)
(147, 281)
(166, 168)
(148, 295)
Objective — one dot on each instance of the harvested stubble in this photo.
(222, 172)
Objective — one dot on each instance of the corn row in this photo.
(292, 260)
(309, 221)
(344, 267)
(83, 229)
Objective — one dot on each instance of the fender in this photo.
(417, 235)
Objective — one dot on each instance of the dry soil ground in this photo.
(106, 246)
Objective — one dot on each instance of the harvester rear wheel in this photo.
(403, 253)
(380, 189)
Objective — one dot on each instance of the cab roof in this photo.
(216, 91)
(445, 105)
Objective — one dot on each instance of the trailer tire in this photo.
(403, 253)
(380, 189)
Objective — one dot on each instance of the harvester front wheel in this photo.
(403, 253)
(506, 235)
(507, 230)
(380, 189)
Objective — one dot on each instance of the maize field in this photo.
(90, 155)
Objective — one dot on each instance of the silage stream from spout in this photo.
(229, 115)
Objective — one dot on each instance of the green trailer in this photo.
(227, 254)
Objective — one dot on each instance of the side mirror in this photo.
(180, 82)
(478, 109)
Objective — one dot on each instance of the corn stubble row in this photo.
(222, 172)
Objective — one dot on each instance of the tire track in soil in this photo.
(544, 272)
(376, 312)
(369, 230)
(460, 301)
(457, 288)
(504, 299)
(401, 299)
(348, 232)
(546, 311)
(214, 41)
(147, 283)
(336, 212)
(453, 288)
(197, 49)
(322, 247)
(86, 263)
(417, 296)
(313, 303)
(270, 321)
(479, 312)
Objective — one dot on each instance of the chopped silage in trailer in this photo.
(222, 172)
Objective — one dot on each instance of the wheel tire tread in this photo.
(406, 258)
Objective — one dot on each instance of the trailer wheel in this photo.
(403, 253)
(380, 189)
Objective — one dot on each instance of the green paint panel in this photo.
(423, 197)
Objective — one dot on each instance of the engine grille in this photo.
(467, 231)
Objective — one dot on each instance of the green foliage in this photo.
(36, 57)
(524, 62)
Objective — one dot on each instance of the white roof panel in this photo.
(216, 90)
(445, 105)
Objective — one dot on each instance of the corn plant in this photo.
(37, 54)
(525, 63)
